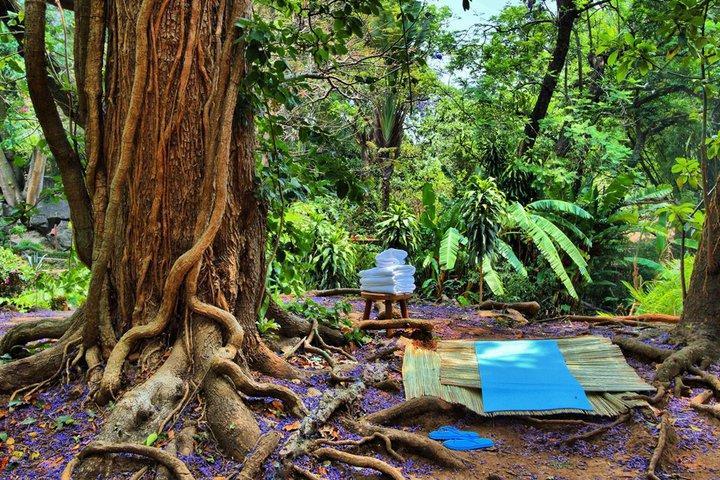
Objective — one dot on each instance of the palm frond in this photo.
(506, 251)
(558, 206)
(563, 242)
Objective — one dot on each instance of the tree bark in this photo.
(567, 14)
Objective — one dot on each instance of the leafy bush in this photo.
(43, 288)
(15, 273)
(664, 293)
(398, 228)
(481, 207)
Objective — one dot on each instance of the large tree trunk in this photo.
(178, 260)
(699, 327)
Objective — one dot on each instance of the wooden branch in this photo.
(359, 461)
(47, 114)
(529, 309)
(266, 444)
(626, 319)
(292, 325)
(662, 441)
(394, 324)
(174, 464)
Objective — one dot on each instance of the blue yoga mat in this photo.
(527, 375)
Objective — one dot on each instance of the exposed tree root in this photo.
(254, 462)
(685, 358)
(698, 403)
(292, 326)
(394, 324)
(413, 408)
(596, 431)
(329, 403)
(301, 472)
(21, 373)
(248, 386)
(663, 440)
(30, 331)
(635, 347)
(375, 436)
(707, 377)
(416, 444)
(359, 461)
(529, 309)
(383, 352)
(172, 463)
(654, 400)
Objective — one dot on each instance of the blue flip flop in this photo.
(451, 433)
(469, 443)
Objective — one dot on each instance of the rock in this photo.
(48, 215)
(61, 235)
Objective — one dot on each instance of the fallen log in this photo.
(292, 325)
(529, 309)
(625, 319)
(395, 324)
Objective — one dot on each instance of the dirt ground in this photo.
(40, 433)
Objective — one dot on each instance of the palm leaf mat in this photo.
(601, 370)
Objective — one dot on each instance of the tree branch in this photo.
(47, 114)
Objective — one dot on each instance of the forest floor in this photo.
(40, 433)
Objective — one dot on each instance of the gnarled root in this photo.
(50, 328)
(698, 403)
(263, 449)
(359, 461)
(596, 431)
(684, 359)
(654, 400)
(248, 386)
(635, 347)
(45, 364)
(424, 325)
(292, 326)
(414, 443)
(174, 464)
(410, 409)
(356, 443)
(663, 440)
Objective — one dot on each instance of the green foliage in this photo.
(333, 256)
(398, 228)
(481, 207)
(664, 293)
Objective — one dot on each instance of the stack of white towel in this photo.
(391, 275)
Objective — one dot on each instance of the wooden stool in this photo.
(388, 299)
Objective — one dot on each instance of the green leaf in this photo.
(151, 439)
(565, 244)
(559, 206)
(505, 251)
(543, 243)
(449, 247)
(491, 277)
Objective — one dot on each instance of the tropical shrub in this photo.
(398, 228)
(664, 293)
